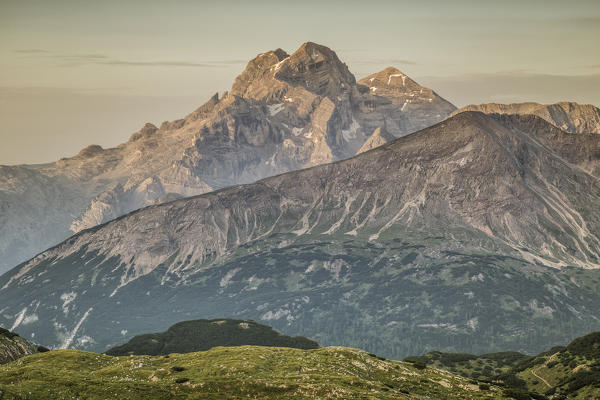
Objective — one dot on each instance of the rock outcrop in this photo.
(13, 347)
(379, 137)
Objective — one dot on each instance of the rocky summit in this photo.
(477, 234)
(283, 112)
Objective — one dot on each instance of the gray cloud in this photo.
(74, 59)
(32, 51)
(390, 61)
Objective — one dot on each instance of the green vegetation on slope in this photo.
(231, 373)
(203, 334)
(484, 367)
(561, 372)
(573, 371)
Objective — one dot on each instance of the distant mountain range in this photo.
(283, 113)
(477, 234)
(572, 371)
(201, 335)
(568, 116)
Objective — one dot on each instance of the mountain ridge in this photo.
(283, 112)
(568, 116)
(470, 207)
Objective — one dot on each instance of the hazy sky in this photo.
(78, 72)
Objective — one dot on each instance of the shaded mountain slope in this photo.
(201, 335)
(441, 239)
(284, 112)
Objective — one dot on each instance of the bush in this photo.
(537, 396)
(376, 356)
(587, 346)
(516, 394)
(419, 365)
(511, 380)
(414, 359)
(42, 349)
(177, 369)
(484, 386)
(581, 379)
(182, 380)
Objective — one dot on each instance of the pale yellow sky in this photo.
(79, 72)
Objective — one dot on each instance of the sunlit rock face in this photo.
(284, 112)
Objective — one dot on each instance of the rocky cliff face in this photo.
(284, 112)
(477, 234)
(12, 346)
(568, 116)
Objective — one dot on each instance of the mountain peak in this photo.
(90, 151)
(318, 69)
(256, 69)
(391, 77)
(392, 70)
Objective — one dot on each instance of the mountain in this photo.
(568, 116)
(283, 113)
(379, 137)
(408, 106)
(201, 335)
(12, 346)
(572, 371)
(232, 373)
(478, 234)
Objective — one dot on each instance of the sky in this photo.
(78, 72)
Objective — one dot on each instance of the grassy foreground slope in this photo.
(231, 373)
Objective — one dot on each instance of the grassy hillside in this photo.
(203, 334)
(231, 373)
(573, 371)
(484, 367)
(562, 372)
